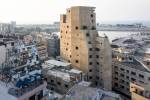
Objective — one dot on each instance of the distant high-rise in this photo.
(12, 27)
(81, 45)
(7, 28)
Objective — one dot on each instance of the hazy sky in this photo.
(47, 11)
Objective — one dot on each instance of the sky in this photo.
(48, 11)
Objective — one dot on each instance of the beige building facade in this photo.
(140, 91)
(81, 45)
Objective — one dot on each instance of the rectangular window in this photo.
(90, 49)
(90, 63)
(127, 77)
(90, 70)
(149, 78)
(97, 56)
(97, 63)
(116, 73)
(64, 18)
(58, 83)
(90, 56)
(116, 84)
(133, 79)
(52, 81)
(122, 86)
(116, 78)
(133, 73)
(90, 77)
(84, 27)
(127, 71)
(97, 49)
(121, 69)
(122, 75)
(141, 76)
(116, 67)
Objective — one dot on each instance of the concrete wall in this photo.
(2, 54)
(79, 44)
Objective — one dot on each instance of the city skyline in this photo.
(46, 11)
(80, 56)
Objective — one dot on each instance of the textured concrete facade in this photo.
(129, 72)
(41, 46)
(81, 45)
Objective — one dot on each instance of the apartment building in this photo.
(51, 42)
(60, 75)
(22, 83)
(7, 28)
(53, 48)
(41, 45)
(81, 45)
(6, 48)
(128, 70)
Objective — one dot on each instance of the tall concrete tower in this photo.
(81, 45)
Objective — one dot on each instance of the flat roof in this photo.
(4, 95)
(57, 63)
(135, 64)
(147, 50)
(75, 71)
(81, 92)
(62, 75)
(83, 7)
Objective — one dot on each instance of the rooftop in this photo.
(58, 69)
(57, 63)
(83, 92)
(75, 71)
(123, 50)
(147, 50)
(135, 64)
(60, 74)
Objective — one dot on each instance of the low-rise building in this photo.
(60, 76)
(22, 83)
